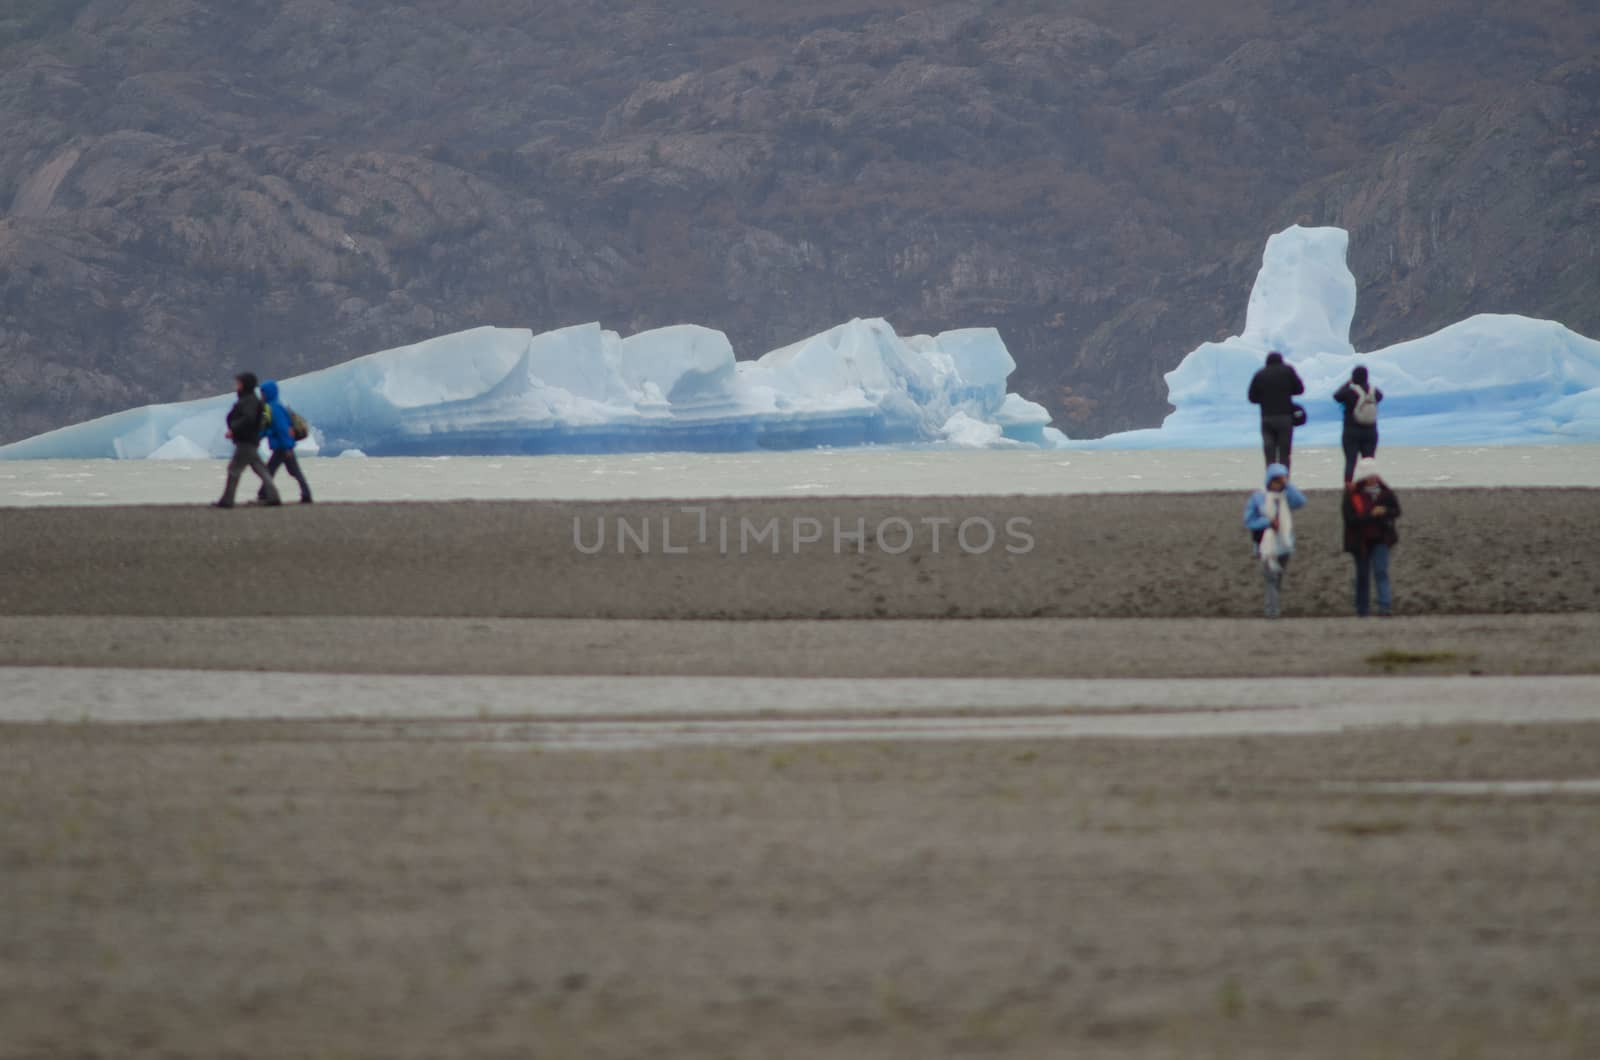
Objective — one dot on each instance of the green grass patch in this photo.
(1394, 658)
(1368, 829)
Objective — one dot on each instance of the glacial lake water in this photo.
(815, 472)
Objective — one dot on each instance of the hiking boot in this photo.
(222, 504)
(305, 500)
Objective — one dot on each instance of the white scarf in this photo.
(1280, 542)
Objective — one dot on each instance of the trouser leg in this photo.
(292, 463)
(236, 465)
(1380, 572)
(1369, 442)
(1352, 451)
(1277, 433)
(1274, 587)
(275, 462)
(1363, 582)
(259, 466)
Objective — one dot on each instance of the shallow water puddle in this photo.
(1472, 788)
(631, 712)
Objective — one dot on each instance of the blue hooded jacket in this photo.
(280, 434)
(1254, 517)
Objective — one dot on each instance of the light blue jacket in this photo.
(1255, 517)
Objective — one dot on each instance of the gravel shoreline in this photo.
(411, 890)
(1000, 648)
(1101, 556)
(265, 891)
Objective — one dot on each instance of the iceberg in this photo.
(1487, 379)
(964, 432)
(179, 448)
(583, 389)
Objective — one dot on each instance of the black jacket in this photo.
(1274, 388)
(1361, 531)
(244, 419)
(1346, 396)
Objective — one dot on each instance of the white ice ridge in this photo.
(1487, 379)
(584, 389)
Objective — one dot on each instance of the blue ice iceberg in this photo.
(1488, 379)
(583, 389)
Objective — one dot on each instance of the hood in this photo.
(1275, 471)
(269, 390)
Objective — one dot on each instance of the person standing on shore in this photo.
(1274, 388)
(1370, 509)
(1360, 400)
(244, 428)
(1269, 516)
(280, 439)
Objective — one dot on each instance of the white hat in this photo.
(1366, 468)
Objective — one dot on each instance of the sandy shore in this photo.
(1130, 556)
(280, 891)
(658, 711)
(424, 889)
(871, 472)
(909, 648)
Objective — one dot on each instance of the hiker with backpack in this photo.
(284, 429)
(1274, 388)
(1269, 516)
(1360, 400)
(246, 420)
(1370, 509)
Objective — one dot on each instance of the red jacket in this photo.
(1362, 529)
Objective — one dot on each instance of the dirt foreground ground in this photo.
(1101, 556)
(1042, 647)
(259, 890)
(405, 889)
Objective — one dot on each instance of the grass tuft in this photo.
(1368, 829)
(1394, 658)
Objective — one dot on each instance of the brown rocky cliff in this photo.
(190, 188)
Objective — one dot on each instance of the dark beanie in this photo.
(1274, 357)
(248, 379)
(1358, 375)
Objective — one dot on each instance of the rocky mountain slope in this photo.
(188, 188)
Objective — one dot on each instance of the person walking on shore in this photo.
(280, 439)
(244, 428)
(1274, 388)
(1370, 509)
(1269, 516)
(1360, 400)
